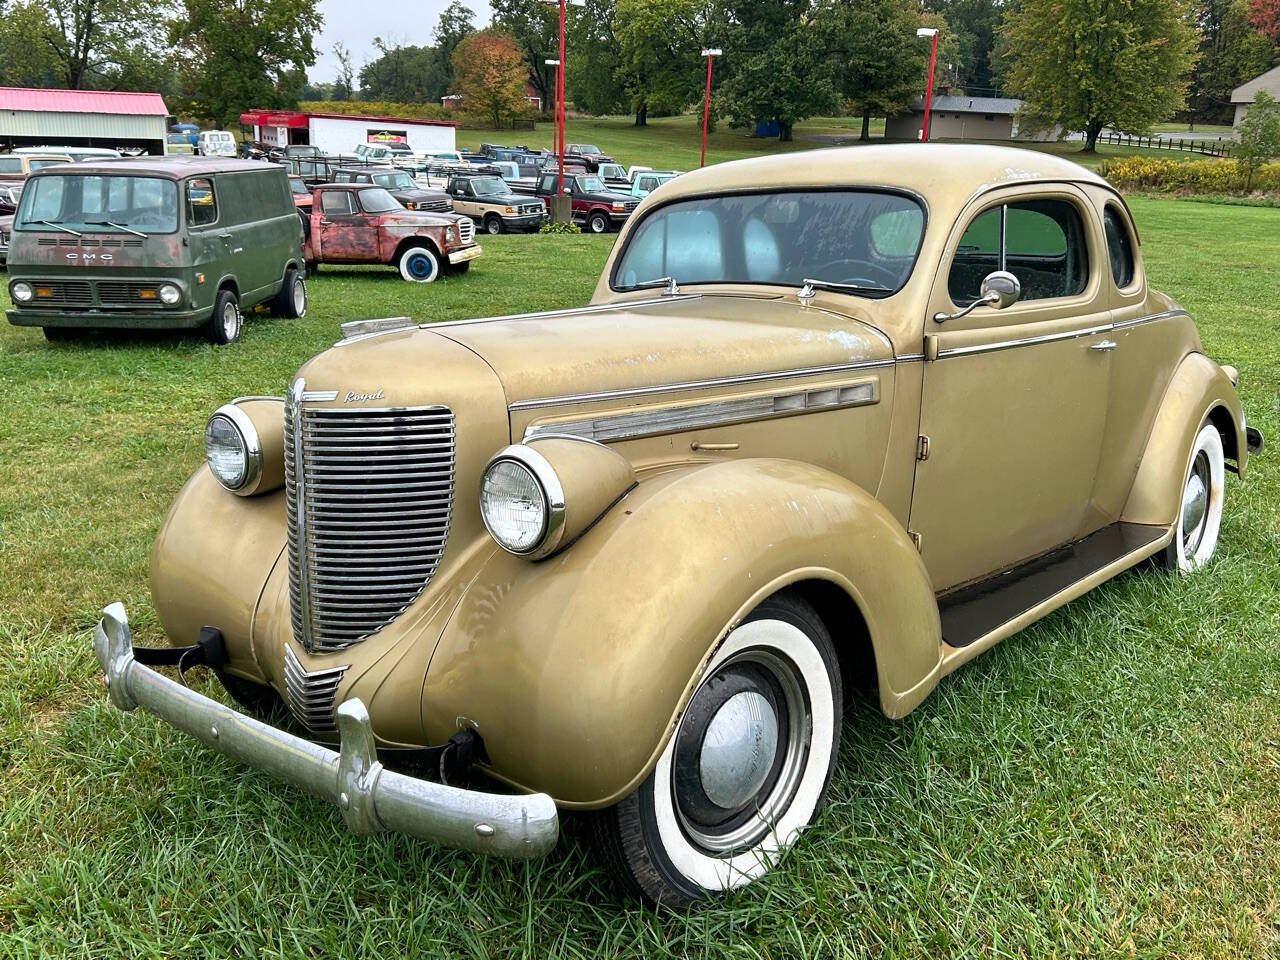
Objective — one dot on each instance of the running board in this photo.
(981, 609)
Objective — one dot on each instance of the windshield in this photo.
(378, 200)
(588, 148)
(99, 204)
(297, 186)
(864, 238)
(489, 186)
(590, 184)
(394, 181)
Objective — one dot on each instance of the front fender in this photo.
(574, 670)
(1199, 388)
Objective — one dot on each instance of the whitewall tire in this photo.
(419, 265)
(1195, 535)
(747, 769)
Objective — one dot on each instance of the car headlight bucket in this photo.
(169, 294)
(233, 449)
(522, 502)
(22, 292)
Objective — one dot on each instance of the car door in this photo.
(464, 200)
(210, 242)
(1014, 401)
(345, 232)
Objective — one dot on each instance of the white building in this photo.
(1243, 95)
(341, 132)
(963, 118)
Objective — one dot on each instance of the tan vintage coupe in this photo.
(891, 402)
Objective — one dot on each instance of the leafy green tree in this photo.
(777, 64)
(244, 53)
(1087, 64)
(456, 23)
(535, 27)
(403, 74)
(969, 41)
(659, 53)
(26, 58)
(881, 63)
(1259, 136)
(1231, 51)
(592, 80)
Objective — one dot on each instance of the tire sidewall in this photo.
(598, 223)
(1209, 441)
(408, 257)
(218, 330)
(493, 225)
(297, 291)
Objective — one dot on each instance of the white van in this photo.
(215, 143)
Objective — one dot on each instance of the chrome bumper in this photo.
(372, 798)
(465, 254)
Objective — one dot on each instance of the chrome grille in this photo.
(466, 231)
(443, 205)
(368, 494)
(311, 695)
(76, 292)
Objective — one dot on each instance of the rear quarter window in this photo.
(1119, 247)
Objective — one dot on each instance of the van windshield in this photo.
(99, 204)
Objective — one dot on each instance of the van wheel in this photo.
(1195, 535)
(291, 301)
(493, 225)
(419, 265)
(746, 770)
(598, 223)
(227, 322)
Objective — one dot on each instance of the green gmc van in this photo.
(155, 242)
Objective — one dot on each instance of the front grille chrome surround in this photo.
(466, 231)
(311, 695)
(369, 496)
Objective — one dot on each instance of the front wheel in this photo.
(1195, 536)
(598, 223)
(746, 770)
(419, 265)
(227, 321)
(493, 224)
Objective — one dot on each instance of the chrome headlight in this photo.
(21, 292)
(522, 502)
(170, 294)
(233, 449)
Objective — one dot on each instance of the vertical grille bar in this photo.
(369, 495)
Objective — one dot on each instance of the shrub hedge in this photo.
(1191, 176)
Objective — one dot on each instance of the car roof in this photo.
(171, 167)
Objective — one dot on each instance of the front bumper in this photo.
(121, 319)
(525, 221)
(465, 254)
(371, 797)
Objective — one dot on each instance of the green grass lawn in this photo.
(1105, 783)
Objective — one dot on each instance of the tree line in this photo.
(1078, 64)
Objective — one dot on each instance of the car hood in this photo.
(419, 195)
(609, 196)
(511, 199)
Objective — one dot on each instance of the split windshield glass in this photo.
(84, 203)
(864, 238)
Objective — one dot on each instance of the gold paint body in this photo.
(575, 668)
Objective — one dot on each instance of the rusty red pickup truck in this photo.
(363, 223)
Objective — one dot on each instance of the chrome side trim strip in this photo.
(910, 357)
(699, 384)
(1168, 314)
(1023, 341)
(643, 423)
(317, 396)
(568, 312)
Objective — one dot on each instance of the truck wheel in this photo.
(227, 322)
(746, 770)
(598, 223)
(291, 301)
(462, 267)
(493, 224)
(419, 265)
(58, 334)
(1195, 535)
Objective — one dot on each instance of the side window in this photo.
(202, 207)
(1119, 246)
(1041, 242)
(336, 203)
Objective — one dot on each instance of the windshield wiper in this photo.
(119, 226)
(671, 288)
(58, 226)
(810, 285)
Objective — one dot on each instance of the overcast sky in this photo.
(356, 22)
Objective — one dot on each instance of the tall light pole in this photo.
(706, 101)
(555, 106)
(928, 90)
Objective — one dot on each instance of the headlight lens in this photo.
(232, 447)
(21, 292)
(450, 234)
(618, 208)
(170, 294)
(522, 502)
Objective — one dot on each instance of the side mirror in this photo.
(999, 289)
(567, 190)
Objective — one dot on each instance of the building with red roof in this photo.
(31, 117)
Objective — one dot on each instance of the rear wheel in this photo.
(746, 770)
(291, 301)
(598, 223)
(1195, 536)
(493, 224)
(227, 322)
(419, 264)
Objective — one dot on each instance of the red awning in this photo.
(275, 118)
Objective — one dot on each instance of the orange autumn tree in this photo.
(490, 70)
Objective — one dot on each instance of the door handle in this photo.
(225, 236)
(1102, 345)
(325, 223)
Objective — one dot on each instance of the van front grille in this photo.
(61, 292)
(368, 495)
(123, 293)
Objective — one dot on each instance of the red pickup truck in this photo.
(363, 223)
(595, 206)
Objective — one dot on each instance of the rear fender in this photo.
(1199, 389)
(574, 670)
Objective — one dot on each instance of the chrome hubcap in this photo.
(1195, 504)
(738, 750)
(299, 296)
(229, 319)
